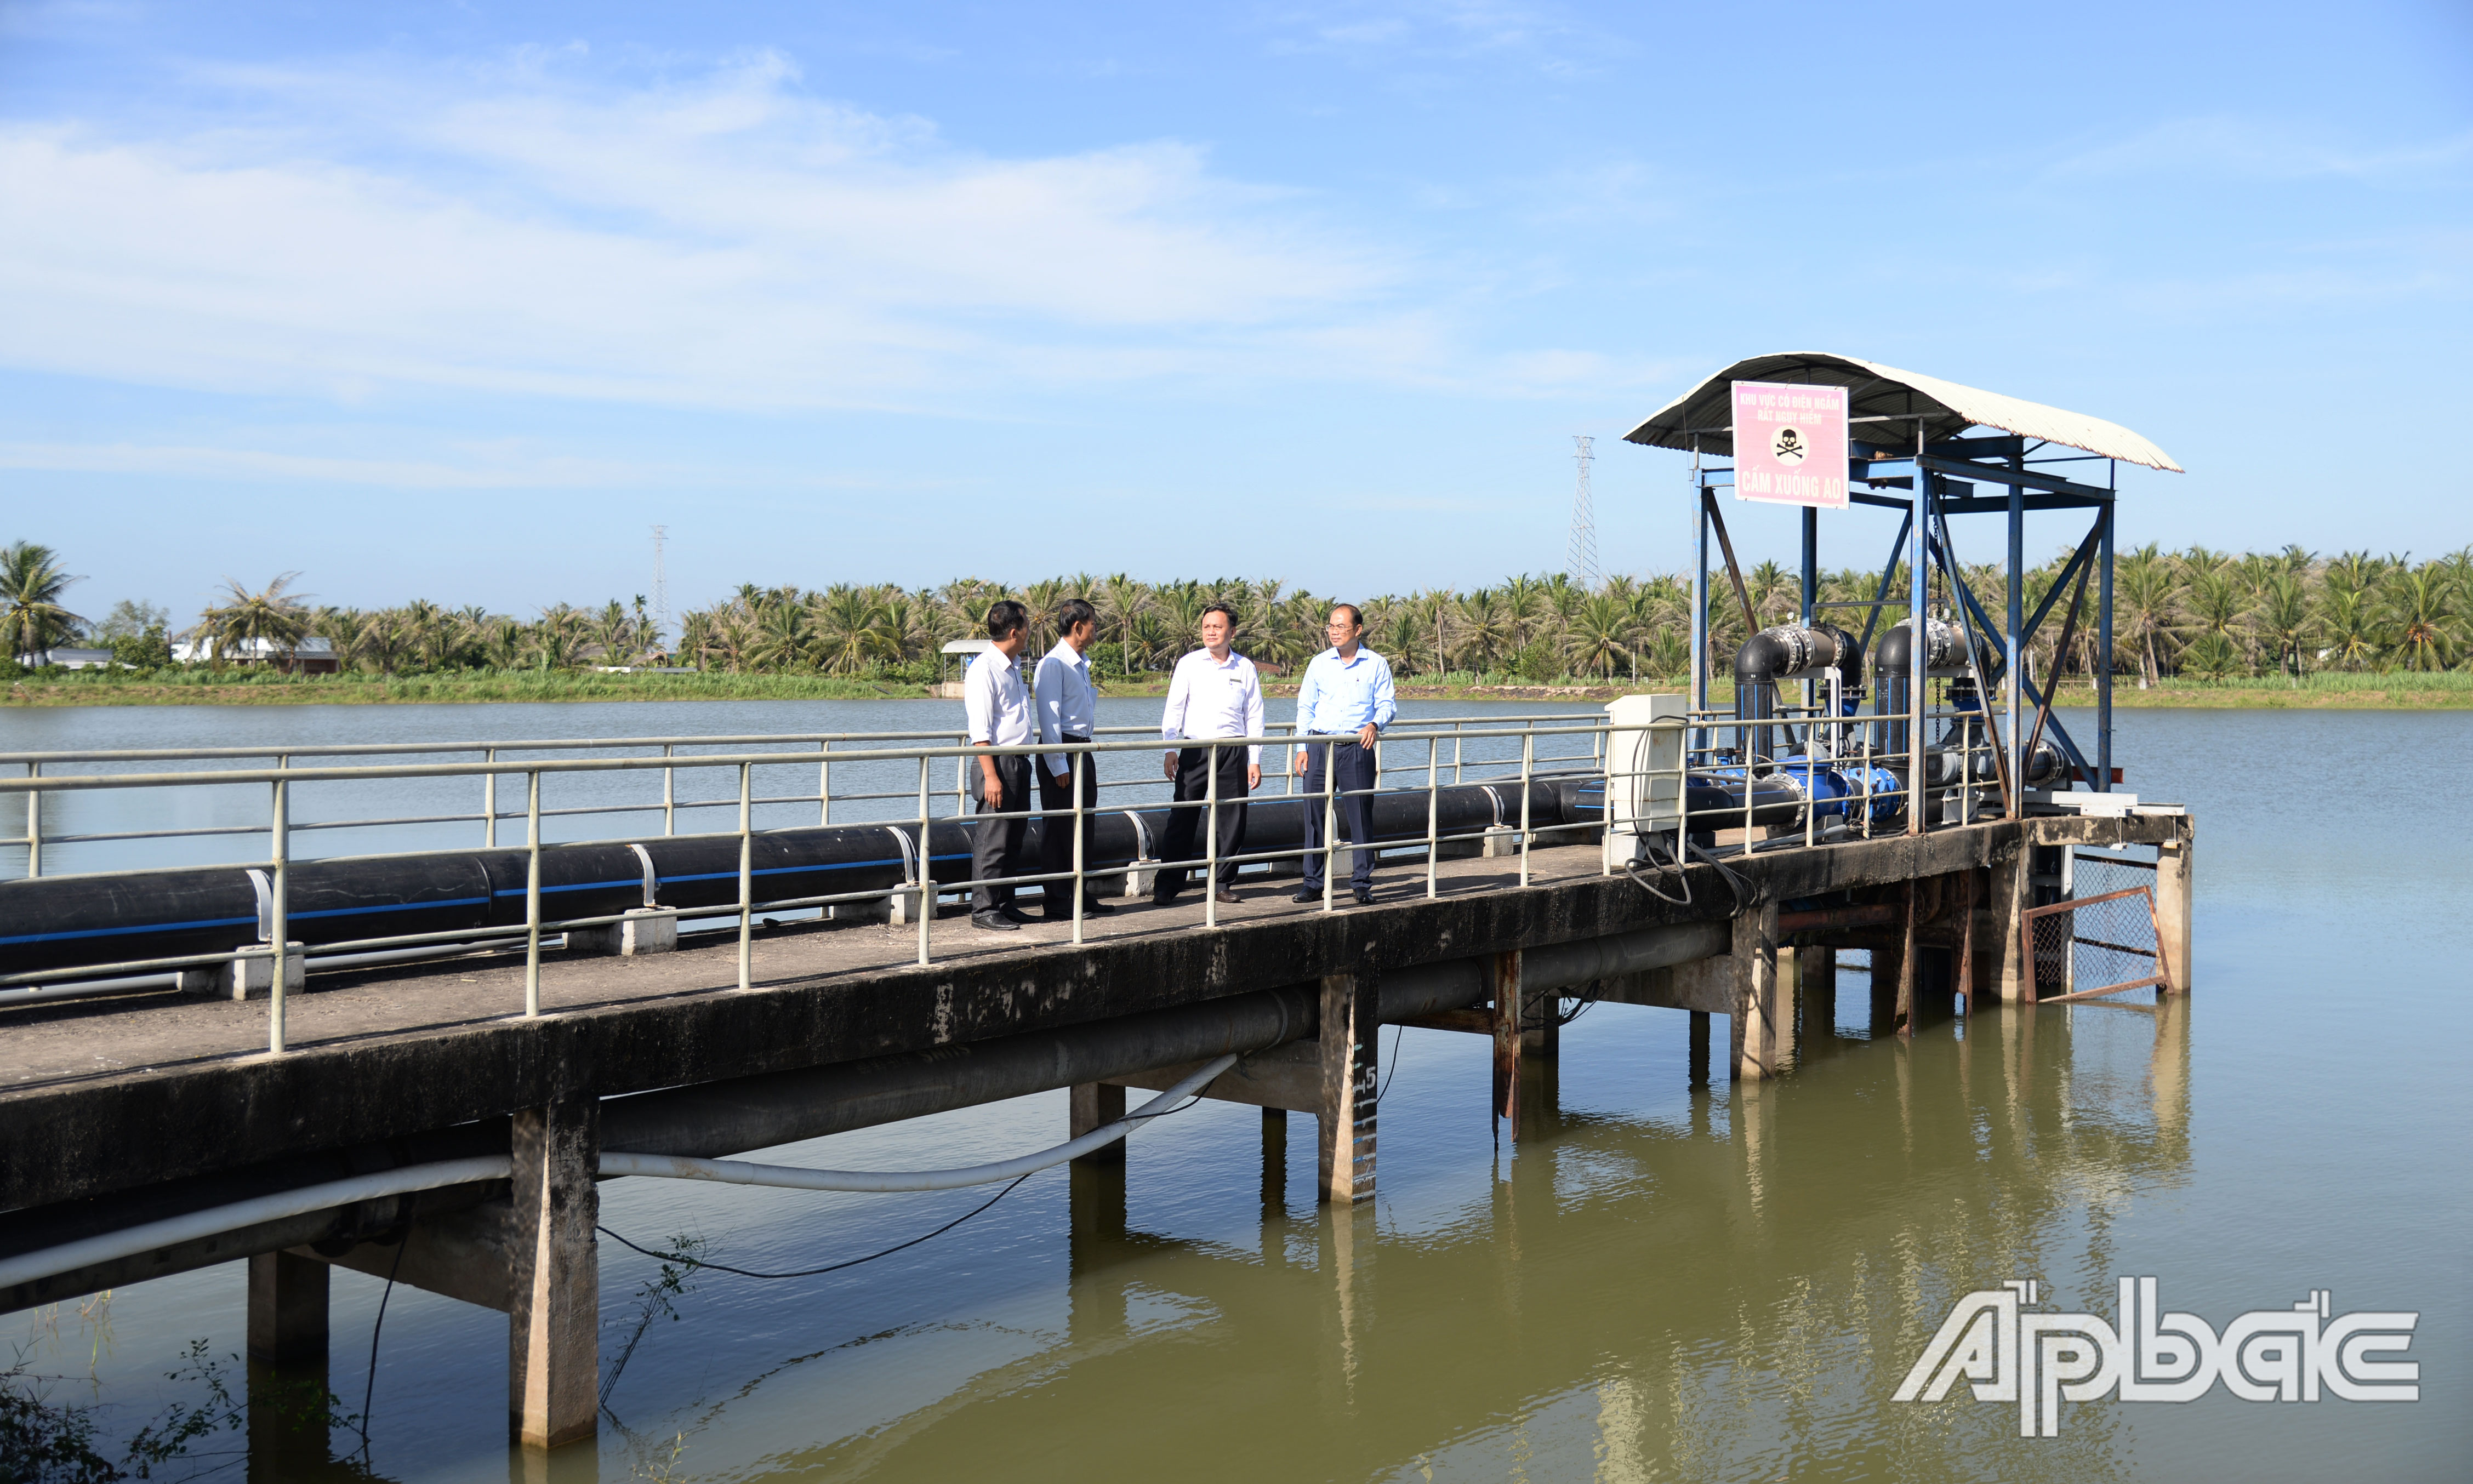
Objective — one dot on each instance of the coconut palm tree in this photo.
(854, 629)
(2424, 626)
(2142, 613)
(272, 620)
(32, 618)
(2287, 619)
(1597, 641)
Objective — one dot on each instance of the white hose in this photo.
(737, 1172)
(132, 1241)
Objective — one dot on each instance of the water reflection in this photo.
(1732, 1293)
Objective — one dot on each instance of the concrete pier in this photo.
(661, 1053)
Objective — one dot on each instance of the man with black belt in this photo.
(997, 708)
(1066, 706)
(1214, 693)
(1345, 699)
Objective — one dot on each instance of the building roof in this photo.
(1883, 392)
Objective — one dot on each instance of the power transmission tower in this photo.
(661, 583)
(1581, 563)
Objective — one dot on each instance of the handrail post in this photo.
(280, 914)
(531, 892)
(1433, 807)
(1211, 840)
(746, 874)
(1606, 801)
(1080, 814)
(925, 901)
(34, 824)
(489, 801)
(824, 782)
(669, 791)
(1330, 826)
(1528, 757)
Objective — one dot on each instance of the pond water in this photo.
(1666, 1283)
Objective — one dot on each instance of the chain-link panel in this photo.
(2093, 944)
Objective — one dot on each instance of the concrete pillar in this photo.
(1700, 1048)
(643, 930)
(554, 1363)
(2172, 884)
(251, 978)
(1888, 967)
(1756, 1017)
(1541, 1033)
(2005, 908)
(1274, 1170)
(1815, 989)
(1350, 1076)
(287, 1310)
(1903, 1013)
(1095, 1105)
(1502, 970)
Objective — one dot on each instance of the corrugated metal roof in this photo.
(1877, 391)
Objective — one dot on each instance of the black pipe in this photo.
(1788, 651)
(60, 923)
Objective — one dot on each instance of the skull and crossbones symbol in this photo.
(1788, 447)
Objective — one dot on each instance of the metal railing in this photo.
(1507, 750)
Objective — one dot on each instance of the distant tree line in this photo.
(2196, 613)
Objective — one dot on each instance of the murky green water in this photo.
(1663, 1282)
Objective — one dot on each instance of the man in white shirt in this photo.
(1346, 698)
(1066, 706)
(1215, 693)
(997, 706)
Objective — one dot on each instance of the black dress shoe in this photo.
(1308, 894)
(994, 922)
(1228, 895)
(1363, 898)
(1091, 907)
(1015, 915)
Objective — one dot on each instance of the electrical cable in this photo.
(830, 1267)
(1385, 1091)
(835, 1267)
(370, 1390)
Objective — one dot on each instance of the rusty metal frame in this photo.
(2160, 980)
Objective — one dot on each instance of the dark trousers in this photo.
(1055, 831)
(1352, 767)
(995, 845)
(1184, 839)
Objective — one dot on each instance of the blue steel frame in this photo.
(1947, 472)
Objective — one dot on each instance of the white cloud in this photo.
(729, 243)
(2254, 149)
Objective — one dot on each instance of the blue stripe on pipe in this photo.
(395, 906)
(145, 928)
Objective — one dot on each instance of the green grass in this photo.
(2381, 691)
(204, 687)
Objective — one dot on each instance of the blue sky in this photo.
(458, 301)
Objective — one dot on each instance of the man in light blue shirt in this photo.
(1346, 698)
(1067, 705)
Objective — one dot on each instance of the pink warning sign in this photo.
(1791, 443)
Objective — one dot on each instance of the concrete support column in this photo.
(1502, 973)
(1541, 1037)
(1888, 965)
(553, 1333)
(1756, 1017)
(1095, 1105)
(1275, 1169)
(1903, 1015)
(1815, 989)
(2172, 884)
(2007, 909)
(1350, 1076)
(287, 1310)
(1700, 1048)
